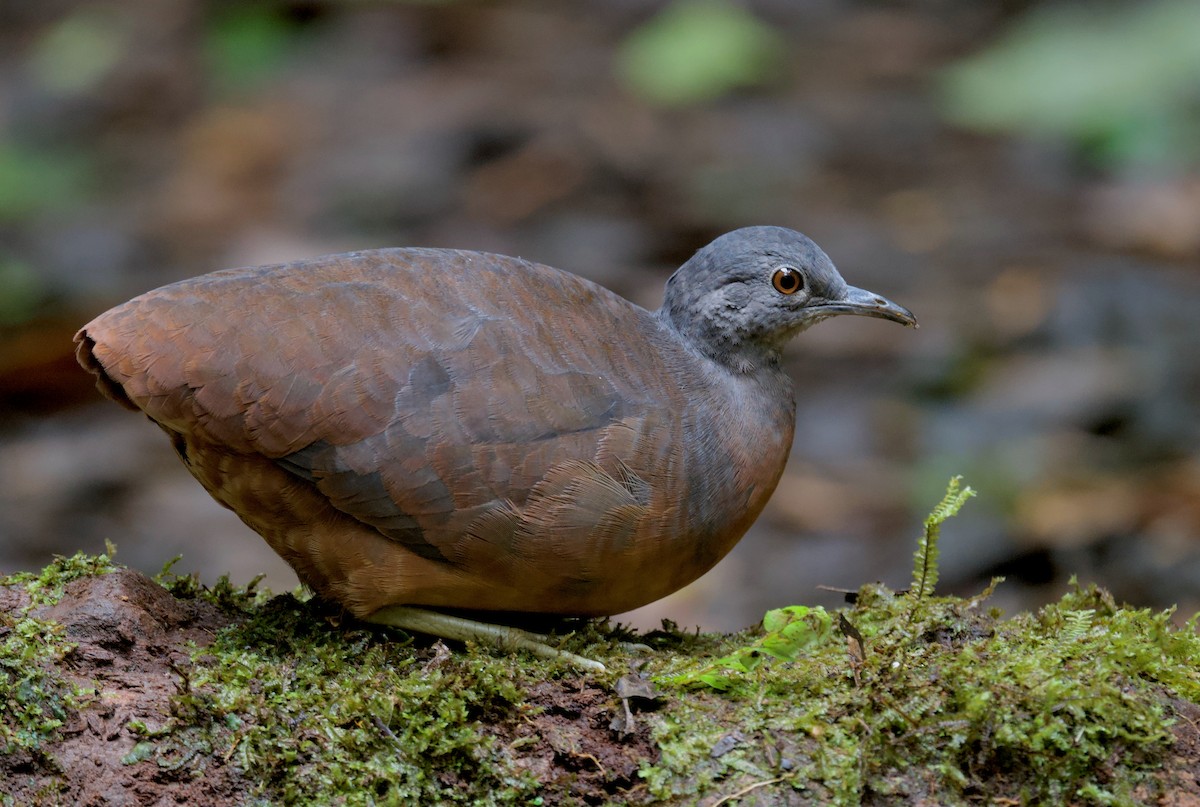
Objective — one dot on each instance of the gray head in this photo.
(741, 298)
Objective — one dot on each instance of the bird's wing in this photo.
(450, 399)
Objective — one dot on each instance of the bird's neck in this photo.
(719, 341)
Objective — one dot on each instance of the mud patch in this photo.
(130, 638)
(570, 743)
(1180, 779)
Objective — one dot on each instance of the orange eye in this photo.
(787, 280)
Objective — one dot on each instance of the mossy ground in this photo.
(931, 699)
(940, 701)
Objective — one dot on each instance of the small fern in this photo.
(1076, 626)
(925, 560)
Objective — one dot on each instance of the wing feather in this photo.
(457, 402)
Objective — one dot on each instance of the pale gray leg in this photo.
(463, 630)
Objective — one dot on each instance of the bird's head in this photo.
(741, 298)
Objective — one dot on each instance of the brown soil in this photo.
(1181, 775)
(130, 635)
(572, 747)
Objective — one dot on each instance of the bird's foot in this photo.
(461, 629)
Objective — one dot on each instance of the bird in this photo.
(420, 430)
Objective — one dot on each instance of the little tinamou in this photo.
(417, 429)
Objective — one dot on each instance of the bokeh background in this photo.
(1024, 175)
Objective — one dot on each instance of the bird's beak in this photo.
(868, 304)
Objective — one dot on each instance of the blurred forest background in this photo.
(1024, 175)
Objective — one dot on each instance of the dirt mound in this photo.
(130, 638)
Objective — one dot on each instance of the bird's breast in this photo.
(709, 481)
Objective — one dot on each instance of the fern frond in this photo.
(1076, 625)
(925, 560)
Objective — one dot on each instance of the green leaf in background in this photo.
(77, 53)
(33, 180)
(1120, 80)
(698, 50)
(20, 291)
(247, 44)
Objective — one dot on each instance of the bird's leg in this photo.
(460, 629)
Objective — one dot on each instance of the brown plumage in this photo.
(457, 429)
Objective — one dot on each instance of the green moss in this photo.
(313, 713)
(233, 600)
(927, 697)
(35, 697)
(1063, 705)
(33, 701)
(46, 587)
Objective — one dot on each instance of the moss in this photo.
(45, 588)
(1064, 705)
(234, 600)
(315, 713)
(35, 697)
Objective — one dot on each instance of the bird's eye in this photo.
(787, 280)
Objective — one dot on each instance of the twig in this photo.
(747, 789)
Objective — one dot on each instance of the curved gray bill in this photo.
(869, 304)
